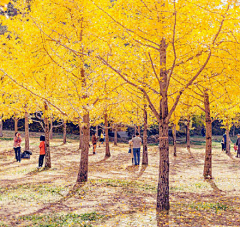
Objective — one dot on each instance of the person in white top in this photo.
(137, 142)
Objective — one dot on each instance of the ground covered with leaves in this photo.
(117, 193)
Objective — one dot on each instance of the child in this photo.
(42, 151)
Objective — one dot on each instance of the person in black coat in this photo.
(238, 146)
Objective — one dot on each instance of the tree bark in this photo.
(135, 129)
(26, 132)
(207, 173)
(115, 134)
(174, 132)
(80, 135)
(47, 139)
(107, 154)
(83, 169)
(163, 179)
(228, 141)
(16, 124)
(97, 130)
(188, 134)
(145, 148)
(51, 128)
(1, 127)
(64, 132)
(139, 130)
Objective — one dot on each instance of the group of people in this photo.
(236, 145)
(95, 140)
(17, 148)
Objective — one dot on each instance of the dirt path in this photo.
(117, 194)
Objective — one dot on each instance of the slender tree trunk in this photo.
(115, 134)
(80, 136)
(188, 134)
(208, 155)
(47, 139)
(51, 128)
(139, 130)
(16, 124)
(26, 132)
(145, 148)
(135, 129)
(233, 131)
(1, 127)
(107, 154)
(64, 132)
(228, 141)
(174, 132)
(163, 179)
(83, 169)
(97, 130)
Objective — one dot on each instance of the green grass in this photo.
(5, 138)
(209, 206)
(53, 220)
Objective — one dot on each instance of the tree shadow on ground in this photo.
(162, 218)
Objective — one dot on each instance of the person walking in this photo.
(238, 146)
(101, 138)
(17, 146)
(224, 141)
(137, 142)
(42, 151)
(94, 142)
(131, 148)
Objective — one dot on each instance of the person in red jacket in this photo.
(17, 146)
(42, 151)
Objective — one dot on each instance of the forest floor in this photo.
(117, 193)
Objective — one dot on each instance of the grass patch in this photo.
(209, 206)
(82, 220)
(5, 138)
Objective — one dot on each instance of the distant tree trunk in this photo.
(145, 147)
(228, 141)
(107, 154)
(16, 124)
(26, 132)
(233, 131)
(174, 132)
(80, 135)
(97, 130)
(135, 129)
(188, 134)
(139, 130)
(47, 139)
(83, 169)
(51, 128)
(115, 134)
(64, 132)
(208, 155)
(1, 127)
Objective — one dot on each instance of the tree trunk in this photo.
(228, 141)
(83, 169)
(1, 127)
(47, 139)
(145, 148)
(80, 136)
(135, 129)
(97, 130)
(188, 134)
(208, 153)
(64, 132)
(174, 132)
(107, 154)
(163, 179)
(51, 128)
(139, 130)
(16, 124)
(115, 134)
(26, 132)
